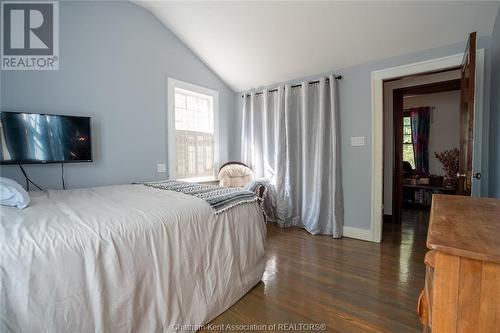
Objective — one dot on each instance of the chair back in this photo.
(235, 174)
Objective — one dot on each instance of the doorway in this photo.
(426, 142)
(378, 135)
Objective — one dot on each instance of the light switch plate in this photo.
(161, 167)
(357, 141)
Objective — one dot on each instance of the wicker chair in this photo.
(235, 174)
(238, 174)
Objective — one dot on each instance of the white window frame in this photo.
(171, 86)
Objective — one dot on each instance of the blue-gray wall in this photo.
(495, 113)
(355, 113)
(115, 58)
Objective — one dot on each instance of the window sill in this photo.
(201, 180)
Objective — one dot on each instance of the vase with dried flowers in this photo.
(450, 160)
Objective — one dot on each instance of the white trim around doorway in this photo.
(378, 77)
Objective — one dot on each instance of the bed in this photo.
(126, 258)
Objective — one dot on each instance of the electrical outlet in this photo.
(161, 168)
(357, 141)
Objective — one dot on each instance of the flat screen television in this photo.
(30, 138)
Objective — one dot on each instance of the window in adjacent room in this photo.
(193, 114)
(408, 142)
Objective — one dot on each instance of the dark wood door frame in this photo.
(397, 170)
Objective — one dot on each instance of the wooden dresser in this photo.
(462, 287)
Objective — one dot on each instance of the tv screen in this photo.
(43, 138)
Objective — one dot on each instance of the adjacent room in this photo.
(422, 141)
(183, 166)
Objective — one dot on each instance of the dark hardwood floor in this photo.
(347, 284)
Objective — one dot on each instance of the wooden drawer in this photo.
(462, 293)
(465, 295)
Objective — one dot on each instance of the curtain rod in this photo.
(338, 77)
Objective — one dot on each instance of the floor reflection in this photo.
(347, 284)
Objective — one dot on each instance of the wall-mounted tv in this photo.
(30, 138)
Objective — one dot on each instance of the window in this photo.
(192, 131)
(408, 142)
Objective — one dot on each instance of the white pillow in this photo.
(12, 194)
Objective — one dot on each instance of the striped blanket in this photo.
(218, 197)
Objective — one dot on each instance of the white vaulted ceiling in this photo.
(254, 43)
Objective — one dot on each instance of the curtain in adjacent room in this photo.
(420, 125)
(291, 137)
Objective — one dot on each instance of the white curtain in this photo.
(291, 137)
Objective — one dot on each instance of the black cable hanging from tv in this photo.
(62, 176)
(28, 180)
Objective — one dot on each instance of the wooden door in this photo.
(467, 106)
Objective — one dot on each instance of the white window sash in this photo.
(172, 84)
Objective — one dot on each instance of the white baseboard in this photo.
(358, 233)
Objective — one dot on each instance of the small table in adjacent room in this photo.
(462, 283)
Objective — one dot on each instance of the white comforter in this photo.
(126, 258)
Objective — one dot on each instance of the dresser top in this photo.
(465, 226)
